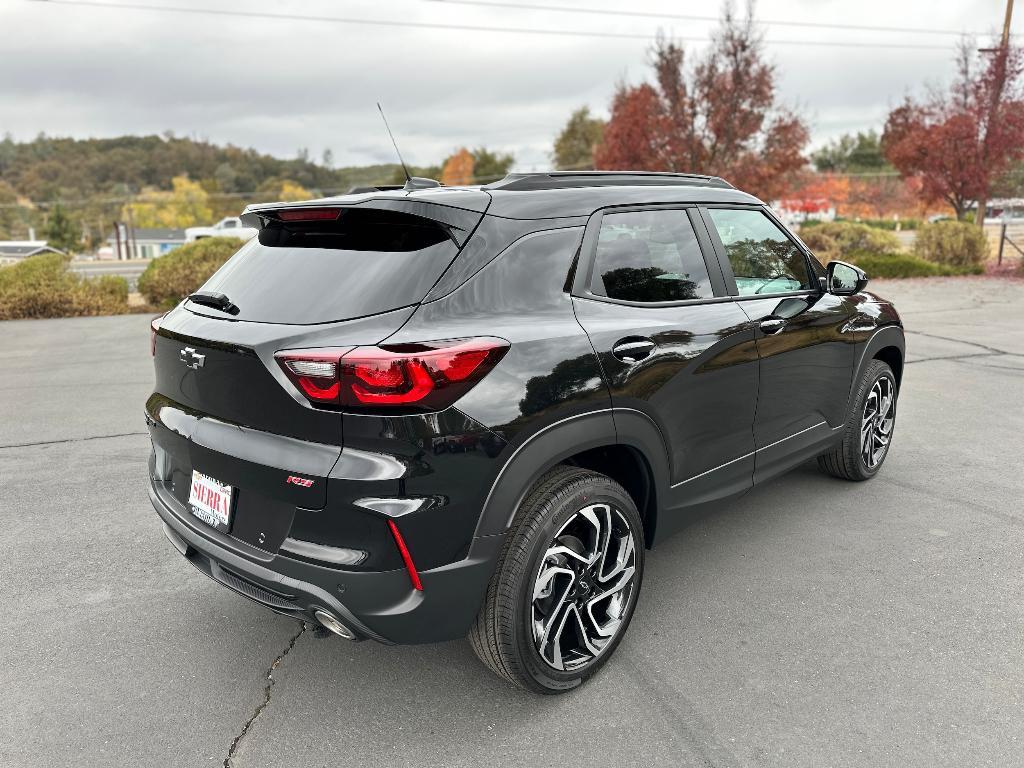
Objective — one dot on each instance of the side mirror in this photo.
(845, 279)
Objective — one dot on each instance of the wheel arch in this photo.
(888, 345)
(893, 357)
(624, 444)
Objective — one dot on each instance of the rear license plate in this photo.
(210, 501)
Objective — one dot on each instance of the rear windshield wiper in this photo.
(216, 300)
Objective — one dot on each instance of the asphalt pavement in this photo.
(812, 623)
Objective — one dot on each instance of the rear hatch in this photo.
(314, 277)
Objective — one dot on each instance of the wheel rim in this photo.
(583, 587)
(877, 422)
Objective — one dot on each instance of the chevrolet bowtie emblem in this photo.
(190, 358)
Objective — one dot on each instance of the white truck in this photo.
(227, 227)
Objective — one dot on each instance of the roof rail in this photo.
(570, 179)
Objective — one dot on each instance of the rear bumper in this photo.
(381, 605)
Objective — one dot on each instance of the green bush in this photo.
(42, 286)
(904, 265)
(840, 239)
(173, 276)
(954, 243)
(889, 224)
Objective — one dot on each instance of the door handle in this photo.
(773, 325)
(632, 350)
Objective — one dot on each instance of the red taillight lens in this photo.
(420, 377)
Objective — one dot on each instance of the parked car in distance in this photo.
(230, 226)
(416, 415)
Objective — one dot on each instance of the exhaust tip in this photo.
(329, 622)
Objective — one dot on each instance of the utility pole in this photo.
(117, 239)
(1002, 54)
(130, 235)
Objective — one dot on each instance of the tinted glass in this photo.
(365, 263)
(649, 256)
(763, 259)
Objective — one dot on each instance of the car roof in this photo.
(553, 195)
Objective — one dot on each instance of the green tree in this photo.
(187, 205)
(61, 232)
(575, 145)
(490, 166)
(276, 189)
(11, 214)
(861, 153)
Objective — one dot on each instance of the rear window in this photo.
(650, 256)
(364, 263)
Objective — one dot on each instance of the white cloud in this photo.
(280, 85)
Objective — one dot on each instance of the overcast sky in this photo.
(277, 85)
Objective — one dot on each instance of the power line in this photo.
(457, 27)
(692, 17)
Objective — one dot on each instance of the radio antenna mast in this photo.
(411, 182)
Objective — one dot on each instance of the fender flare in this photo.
(561, 439)
(886, 336)
(547, 446)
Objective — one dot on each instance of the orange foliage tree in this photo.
(458, 169)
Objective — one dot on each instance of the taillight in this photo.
(154, 326)
(428, 376)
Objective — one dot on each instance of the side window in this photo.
(649, 256)
(763, 259)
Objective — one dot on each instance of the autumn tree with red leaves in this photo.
(958, 142)
(717, 116)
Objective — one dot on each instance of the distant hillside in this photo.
(49, 169)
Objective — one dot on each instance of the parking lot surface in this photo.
(812, 623)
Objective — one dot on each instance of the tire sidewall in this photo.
(548, 679)
(877, 372)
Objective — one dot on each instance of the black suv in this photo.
(416, 415)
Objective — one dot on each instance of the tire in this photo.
(571, 504)
(851, 459)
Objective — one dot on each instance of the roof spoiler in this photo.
(570, 179)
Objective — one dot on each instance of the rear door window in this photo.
(763, 259)
(364, 263)
(649, 256)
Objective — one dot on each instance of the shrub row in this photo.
(170, 278)
(41, 286)
(954, 243)
(906, 265)
(840, 239)
(941, 248)
(889, 224)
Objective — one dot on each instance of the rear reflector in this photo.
(427, 376)
(410, 566)
(307, 214)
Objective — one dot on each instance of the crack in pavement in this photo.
(73, 440)
(952, 357)
(266, 696)
(990, 350)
